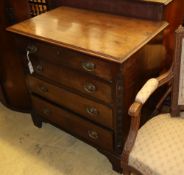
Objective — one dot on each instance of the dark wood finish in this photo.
(14, 14)
(73, 79)
(109, 41)
(67, 57)
(12, 77)
(91, 36)
(135, 8)
(2, 97)
(174, 14)
(171, 11)
(74, 124)
(49, 59)
(134, 77)
(3, 23)
(175, 106)
(11, 13)
(72, 101)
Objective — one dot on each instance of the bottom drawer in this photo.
(74, 124)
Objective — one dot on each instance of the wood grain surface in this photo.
(74, 124)
(165, 2)
(107, 36)
(72, 101)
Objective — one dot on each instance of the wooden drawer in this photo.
(87, 108)
(74, 124)
(84, 83)
(62, 56)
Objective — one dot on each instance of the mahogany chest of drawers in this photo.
(83, 69)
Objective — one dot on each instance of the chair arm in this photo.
(149, 87)
(147, 90)
(135, 109)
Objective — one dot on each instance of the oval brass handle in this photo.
(44, 89)
(46, 112)
(39, 68)
(32, 48)
(93, 134)
(88, 66)
(90, 87)
(92, 111)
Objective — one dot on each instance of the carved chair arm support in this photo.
(135, 109)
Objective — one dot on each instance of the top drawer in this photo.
(76, 60)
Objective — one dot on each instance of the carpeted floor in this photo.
(27, 150)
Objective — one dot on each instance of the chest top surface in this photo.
(109, 37)
(165, 2)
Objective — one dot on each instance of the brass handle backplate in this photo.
(39, 68)
(89, 66)
(32, 48)
(44, 89)
(93, 134)
(90, 87)
(92, 111)
(46, 111)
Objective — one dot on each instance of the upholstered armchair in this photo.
(157, 148)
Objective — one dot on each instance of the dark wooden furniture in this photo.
(146, 9)
(169, 10)
(2, 97)
(174, 73)
(174, 14)
(13, 91)
(12, 80)
(84, 69)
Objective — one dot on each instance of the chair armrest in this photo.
(149, 87)
(135, 109)
(147, 90)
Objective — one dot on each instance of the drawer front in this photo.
(59, 55)
(84, 83)
(87, 108)
(74, 124)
